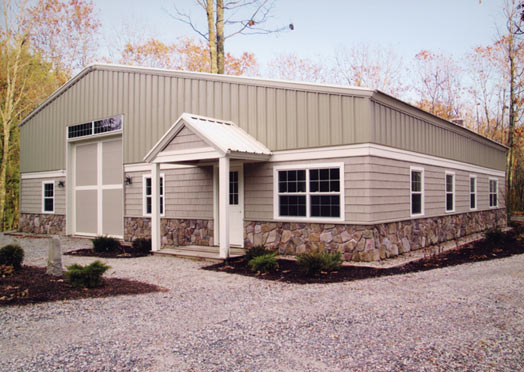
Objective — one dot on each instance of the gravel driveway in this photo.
(463, 318)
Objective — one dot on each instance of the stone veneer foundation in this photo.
(36, 223)
(369, 242)
(174, 232)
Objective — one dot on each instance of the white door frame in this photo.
(235, 166)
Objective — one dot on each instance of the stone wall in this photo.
(174, 232)
(371, 242)
(38, 223)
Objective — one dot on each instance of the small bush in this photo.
(89, 276)
(142, 245)
(105, 244)
(265, 263)
(12, 255)
(256, 251)
(314, 262)
(495, 236)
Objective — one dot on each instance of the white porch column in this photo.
(155, 207)
(223, 205)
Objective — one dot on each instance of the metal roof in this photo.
(225, 136)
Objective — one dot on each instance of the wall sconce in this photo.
(128, 180)
(61, 184)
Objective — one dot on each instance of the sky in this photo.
(407, 26)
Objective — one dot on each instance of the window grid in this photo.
(233, 188)
(493, 186)
(309, 193)
(473, 192)
(417, 192)
(95, 127)
(148, 198)
(450, 192)
(48, 197)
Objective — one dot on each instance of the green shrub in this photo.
(12, 255)
(314, 262)
(142, 245)
(495, 235)
(257, 250)
(265, 263)
(89, 276)
(105, 244)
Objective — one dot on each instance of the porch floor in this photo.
(200, 252)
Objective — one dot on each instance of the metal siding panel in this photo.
(281, 130)
(271, 118)
(302, 134)
(325, 126)
(288, 99)
(251, 111)
(335, 108)
(312, 120)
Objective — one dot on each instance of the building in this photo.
(200, 159)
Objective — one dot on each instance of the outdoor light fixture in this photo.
(128, 180)
(61, 184)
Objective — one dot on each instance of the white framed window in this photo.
(472, 192)
(313, 192)
(493, 192)
(417, 191)
(147, 195)
(96, 127)
(48, 197)
(450, 191)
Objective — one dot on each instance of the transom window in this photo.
(310, 192)
(48, 200)
(95, 127)
(148, 198)
(472, 192)
(450, 192)
(493, 186)
(417, 192)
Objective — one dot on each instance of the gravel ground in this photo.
(463, 318)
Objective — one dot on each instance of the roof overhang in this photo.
(224, 139)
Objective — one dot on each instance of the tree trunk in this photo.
(511, 127)
(3, 172)
(220, 36)
(212, 36)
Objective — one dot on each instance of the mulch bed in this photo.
(126, 252)
(31, 285)
(480, 251)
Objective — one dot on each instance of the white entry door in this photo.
(98, 188)
(236, 206)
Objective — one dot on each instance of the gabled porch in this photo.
(200, 141)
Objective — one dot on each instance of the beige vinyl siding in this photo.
(420, 132)
(376, 190)
(31, 195)
(185, 139)
(151, 101)
(188, 193)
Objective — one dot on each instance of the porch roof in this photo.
(224, 138)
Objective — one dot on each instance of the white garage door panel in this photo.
(86, 164)
(112, 162)
(86, 212)
(112, 212)
(98, 188)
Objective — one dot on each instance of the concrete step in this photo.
(199, 252)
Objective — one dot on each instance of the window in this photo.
(450, 192)
(417, 191)
(472, 192)
(148, 200)
(310, 192)
(48, 197)
(95, 127)
(233, 188)
(493, 186)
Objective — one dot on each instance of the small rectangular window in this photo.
(472, 192)
(417, 192)
(148, 199)
(48, 197)
(450, 192)
(493, 186)
(233, 188)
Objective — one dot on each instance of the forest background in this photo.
(43, 43)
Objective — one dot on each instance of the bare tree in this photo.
(226, 19)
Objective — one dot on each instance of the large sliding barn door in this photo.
(98, 188)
